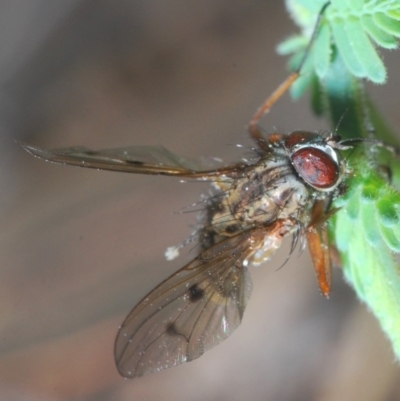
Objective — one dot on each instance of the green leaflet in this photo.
(380, 37)
(322, 47)
(356, 26)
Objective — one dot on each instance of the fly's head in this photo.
(316, 159)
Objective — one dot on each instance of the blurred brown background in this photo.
(79, 248)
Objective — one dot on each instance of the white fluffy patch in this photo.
(172, 252)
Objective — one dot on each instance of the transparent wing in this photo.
(189, 313)
(134, 159)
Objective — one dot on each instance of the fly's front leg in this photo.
(265, 107)
(282, 88)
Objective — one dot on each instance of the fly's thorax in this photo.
(270, 191)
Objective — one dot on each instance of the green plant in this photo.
(366, 230)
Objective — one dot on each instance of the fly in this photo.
(286, 191)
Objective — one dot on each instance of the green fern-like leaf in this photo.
(354, 27)
(366, 230)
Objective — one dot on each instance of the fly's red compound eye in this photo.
(316, 167)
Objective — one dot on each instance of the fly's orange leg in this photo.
(282, 88)
(318, 243)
